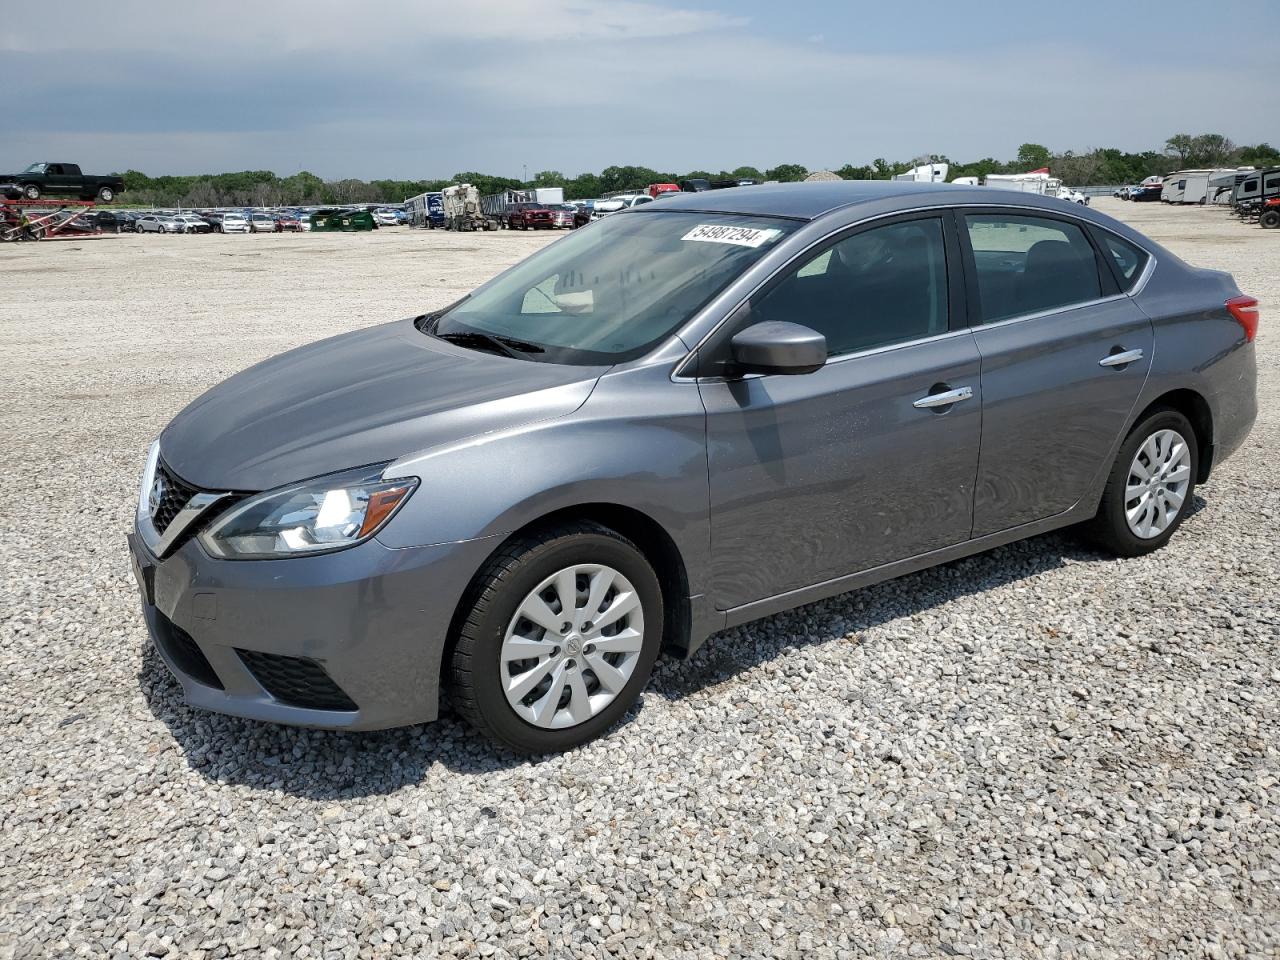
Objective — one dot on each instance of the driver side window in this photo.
(878, 287)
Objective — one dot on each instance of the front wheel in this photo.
(561, 634)
(1149, 490)
(31, 191)
(1270, 219)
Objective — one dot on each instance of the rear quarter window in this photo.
(1127, 260)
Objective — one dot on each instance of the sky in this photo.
(422, 90)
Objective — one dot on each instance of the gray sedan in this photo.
(686, 416)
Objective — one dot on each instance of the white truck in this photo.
(926, 173)
(462, 209)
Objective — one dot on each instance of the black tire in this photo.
(1270, 219)
(31, 191)
(1109, 528)
(496, 593)
(106, 194)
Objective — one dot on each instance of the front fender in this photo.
(638, 442)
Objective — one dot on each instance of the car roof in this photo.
(801, 201)
(809, 201)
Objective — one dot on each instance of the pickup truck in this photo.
(530, 216)
(63, 180)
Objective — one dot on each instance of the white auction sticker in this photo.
(738, 236)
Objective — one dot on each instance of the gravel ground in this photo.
(1037, 752)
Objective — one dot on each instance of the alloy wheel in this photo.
(572, 645)
(1159, 477)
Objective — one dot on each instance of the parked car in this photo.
(289, 223)
(695, 185)
(64, 180)
(234, 223)
(603, 208)
(263, 223)
(530, 216)
(582, 212)
(386, 217)
(1071, 196)
(564, 214)
(190, 223)
(113, 221)
(156, 223)
(616, 461)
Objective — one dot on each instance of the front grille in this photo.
(174, 497)
(296, 681)
(185, 652)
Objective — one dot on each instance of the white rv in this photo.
(1223, 183)
(1187, 186)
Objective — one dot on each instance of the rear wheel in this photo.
(106, 194)
(1150, 487)
(1270, 219)
(562, 631)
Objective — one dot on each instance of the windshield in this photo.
(35, 168)
(612, 291)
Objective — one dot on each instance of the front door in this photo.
(816, 476)
(1064, 357)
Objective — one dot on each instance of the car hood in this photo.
(363, 397)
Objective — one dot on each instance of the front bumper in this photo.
(350, 640)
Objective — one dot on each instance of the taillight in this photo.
(1245, 311)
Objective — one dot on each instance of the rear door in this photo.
(1064, 357)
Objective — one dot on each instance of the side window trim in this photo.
(1106, 279)
(739, 319)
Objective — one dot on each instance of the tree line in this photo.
(1096, 166)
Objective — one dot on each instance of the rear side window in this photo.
(1030, 265)
(1127, 259)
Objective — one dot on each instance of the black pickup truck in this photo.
(60, 180)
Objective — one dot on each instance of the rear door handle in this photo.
(944, 399)
(1120, 359)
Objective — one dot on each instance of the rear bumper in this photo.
(350, 640)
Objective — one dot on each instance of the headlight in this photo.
(316, 516)
(146, 488)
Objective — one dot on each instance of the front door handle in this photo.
(944, 399)
(1120, 359)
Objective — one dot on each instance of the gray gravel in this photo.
(1038, 752)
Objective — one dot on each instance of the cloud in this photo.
(427, 89)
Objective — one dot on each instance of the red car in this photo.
(288, 222)
(531, 216)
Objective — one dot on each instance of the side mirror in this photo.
(774, 346)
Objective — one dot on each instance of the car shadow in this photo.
(333, 765)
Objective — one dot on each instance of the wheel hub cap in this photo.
(1159, 478)
(571, 646)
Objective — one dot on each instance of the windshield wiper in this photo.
(494, 343)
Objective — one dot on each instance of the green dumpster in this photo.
(344, 220)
